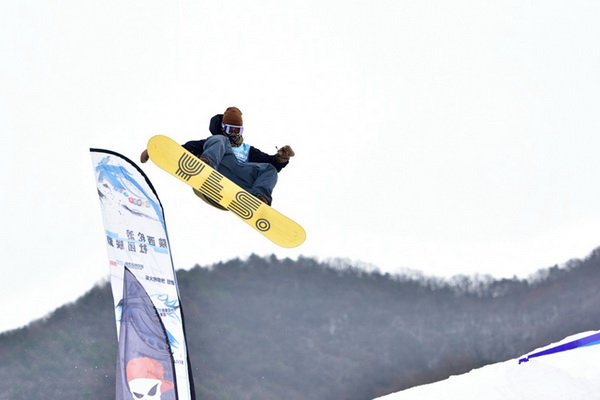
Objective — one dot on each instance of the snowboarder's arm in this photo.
(279, 162)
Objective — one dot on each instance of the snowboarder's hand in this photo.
(144, 157)
(284, 154)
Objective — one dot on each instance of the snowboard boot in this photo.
(207, 161)
(263, 199)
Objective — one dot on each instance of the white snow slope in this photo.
(569, 375)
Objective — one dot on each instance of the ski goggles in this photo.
(232, 130)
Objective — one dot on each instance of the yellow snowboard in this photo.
(173, 158)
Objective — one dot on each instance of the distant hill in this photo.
(267, 328)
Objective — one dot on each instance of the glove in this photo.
(144, 156)
(284, 154)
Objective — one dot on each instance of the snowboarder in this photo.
(247, 166)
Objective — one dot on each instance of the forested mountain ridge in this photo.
(267, 328)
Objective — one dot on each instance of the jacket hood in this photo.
(215, 125)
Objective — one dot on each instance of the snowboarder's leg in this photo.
(258, 179)
(265, 181)
(215, 148)
(220, 156)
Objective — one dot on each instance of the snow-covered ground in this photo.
(572, 374)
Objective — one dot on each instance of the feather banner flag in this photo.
(153, 361)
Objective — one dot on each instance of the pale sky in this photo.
(449, 137)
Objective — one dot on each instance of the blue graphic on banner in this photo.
(119, 178)
(584, 342)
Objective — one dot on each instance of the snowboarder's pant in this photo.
(256, 178)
